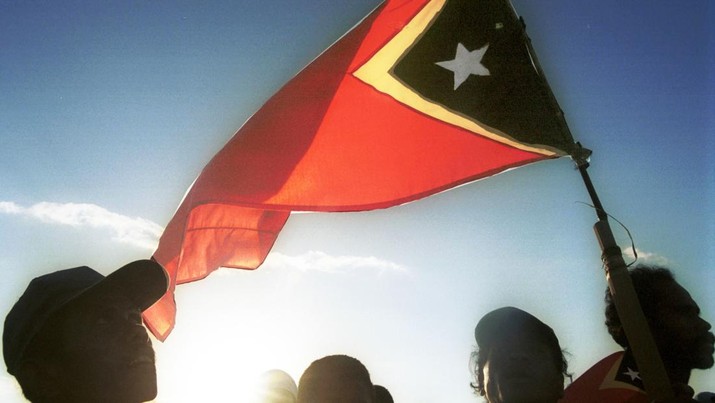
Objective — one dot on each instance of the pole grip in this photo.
(640, 340)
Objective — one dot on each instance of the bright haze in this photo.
(109, 110)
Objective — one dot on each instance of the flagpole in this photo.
(640, 340)
(635, 325)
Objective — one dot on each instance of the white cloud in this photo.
(145, 234)
(320, 261)
(130, 230)
(644, 257)
(9, 208)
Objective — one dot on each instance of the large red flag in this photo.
(419, 97)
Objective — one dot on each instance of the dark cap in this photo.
(142, 281)
(509, 321)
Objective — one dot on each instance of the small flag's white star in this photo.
(633, 374)
(466, 63)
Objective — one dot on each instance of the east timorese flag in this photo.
(419, 97)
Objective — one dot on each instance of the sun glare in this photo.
(225, 362)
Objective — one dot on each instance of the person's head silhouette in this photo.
(336, 378)
(519, 358)
(277, 386)
(684, 339)
(77, 336)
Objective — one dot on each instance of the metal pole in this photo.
(641, 342)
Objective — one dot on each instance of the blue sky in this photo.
(109, 110)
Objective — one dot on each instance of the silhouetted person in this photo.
(683, 339)
(382, 395)
(705, 397)
(518, 359)
(336, 378)
(77, 336)
(277, 387)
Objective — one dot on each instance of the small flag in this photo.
(419, 97)
(613, 379)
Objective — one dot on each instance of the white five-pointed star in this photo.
(466, 63)
(633, 374)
